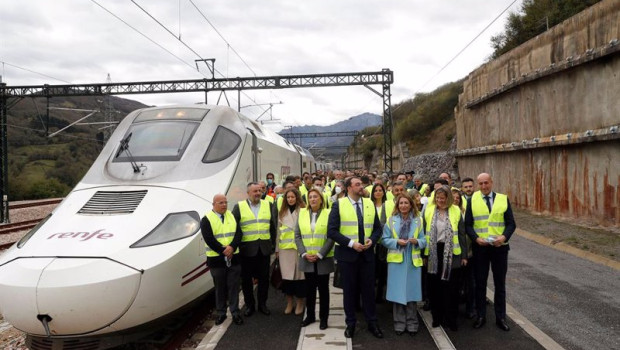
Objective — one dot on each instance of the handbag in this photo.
(337, 277)
(276, 274)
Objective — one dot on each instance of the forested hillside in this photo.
(42, 166)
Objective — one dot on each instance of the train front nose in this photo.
(79, 295)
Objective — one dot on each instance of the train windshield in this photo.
(164, 140)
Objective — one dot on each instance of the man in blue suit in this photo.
(355, 227)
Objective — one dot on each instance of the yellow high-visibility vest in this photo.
(254, 228)
(269, 199)
(423, 190)
(224, 232)
(287, 238)
(454, 213)
(489, 224)
(348, 218)
(313, 241)
(388, 208)
(396, 255)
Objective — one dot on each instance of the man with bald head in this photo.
(489, 223)
(222, 236)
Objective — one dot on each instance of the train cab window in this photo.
(160, 140)
(222, 146)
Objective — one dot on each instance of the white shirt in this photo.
(254, 208)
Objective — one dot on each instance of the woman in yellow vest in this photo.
(286, 251)
(384, 208)
(403, 236)
(447, 252)
(316, 253)
(457, 200)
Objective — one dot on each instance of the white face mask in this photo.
(320, 188)
(338, 190)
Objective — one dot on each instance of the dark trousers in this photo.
(381, 269)
(358, 276)
(314, 281)
(444, 295)
(226, 280)
(469, 281)
(258, 267)
(497, 257)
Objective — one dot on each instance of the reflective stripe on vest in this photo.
(314, 241)
(348, 218)
(454, 213)
(254, 228)
(224, 232)
(489, 224)
(287, 238)
(396, 255)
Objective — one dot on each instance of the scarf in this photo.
(448, 245)
(405, 227)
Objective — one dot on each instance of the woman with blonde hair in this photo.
(316, 254)
(403, 236)
(286, 251)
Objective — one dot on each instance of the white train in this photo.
(124, 248)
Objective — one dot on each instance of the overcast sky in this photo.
(80, 42)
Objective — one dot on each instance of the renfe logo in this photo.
(82, 236)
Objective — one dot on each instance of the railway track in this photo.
(35, 203)
(6, 229)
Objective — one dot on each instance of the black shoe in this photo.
(249, 311)
(480, 321)
(376, 331)
(427, 305)
(220, 319)
(435, 324)
(501, 324)
(412, 333)
(399, 332)
(264, 310)
(237, 319)
(323, 325)
(307, 321)
(349, 331)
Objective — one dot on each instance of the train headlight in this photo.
(31, 233)
(175, 226)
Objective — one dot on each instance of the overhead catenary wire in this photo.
(184, 43)
(465, 48)
(32, 71)
(144, 35)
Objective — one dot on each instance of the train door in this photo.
(255, 155)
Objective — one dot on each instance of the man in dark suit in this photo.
(259, 234)
(355, 227)
(222, 235)
(490, 223)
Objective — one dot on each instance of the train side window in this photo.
(222, 146)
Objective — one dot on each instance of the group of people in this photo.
(390, 238)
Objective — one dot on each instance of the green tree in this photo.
(534, 17)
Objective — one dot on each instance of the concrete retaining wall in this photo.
(543, 119)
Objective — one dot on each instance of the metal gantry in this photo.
(385, 78)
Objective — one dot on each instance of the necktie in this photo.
(360, 223)
(222, 217)
(486, 198)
